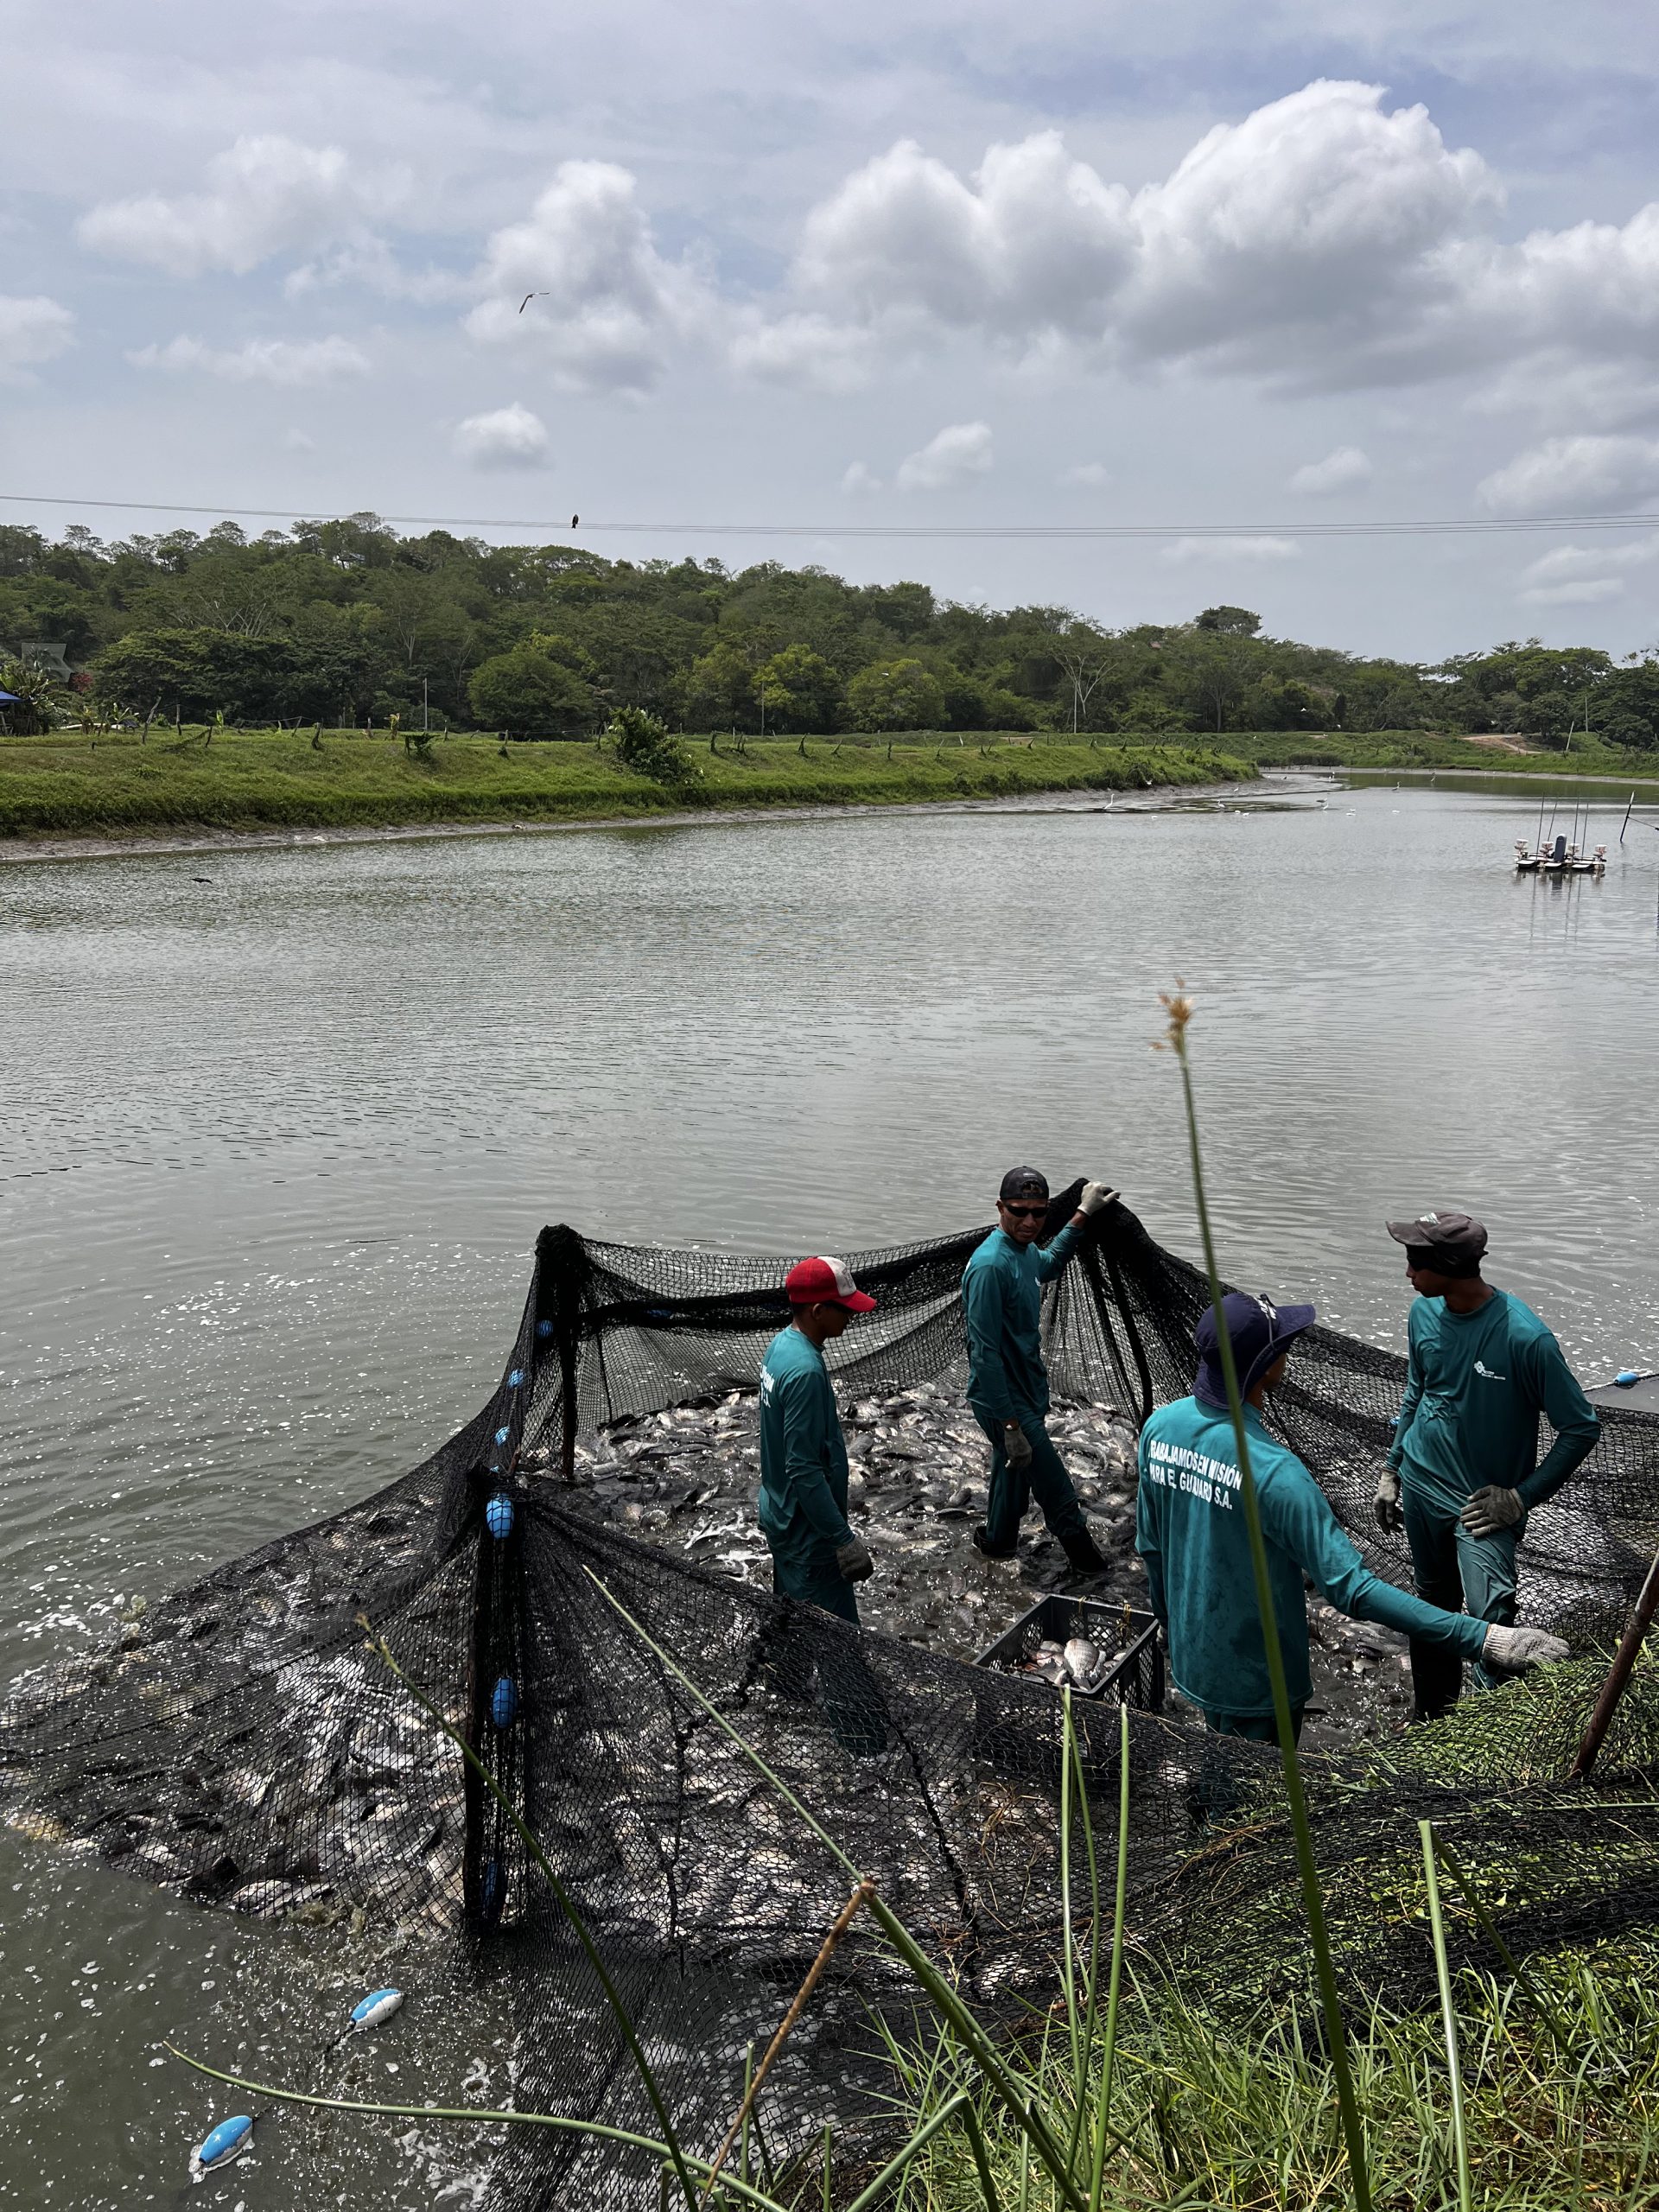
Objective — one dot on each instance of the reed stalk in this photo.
(1179, 1007)
(1448, 2018)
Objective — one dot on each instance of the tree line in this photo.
(348, 623)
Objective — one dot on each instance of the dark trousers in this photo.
(1043, 1477)
(1255, 1727)
(822, 1670)
(1461, 1573)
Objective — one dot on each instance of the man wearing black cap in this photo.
(1463, 1470)
(1007, 1381)
(1191, 1531)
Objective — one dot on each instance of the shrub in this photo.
(645, 745)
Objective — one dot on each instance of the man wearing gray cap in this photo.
(1007, 1381)
(1463, 1470)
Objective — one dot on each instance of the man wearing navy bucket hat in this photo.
(1189, 1530)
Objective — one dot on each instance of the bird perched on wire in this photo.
(574, 519)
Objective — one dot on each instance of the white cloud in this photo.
(959, 451)
(806, 349)
(510, 438)
(1299, 243)
(1219, 551)
(1574, 476)
(1092, 475)
(1346, 469)
(297, 441)
(1035, 241)
(261, 360)
(265, 194)
(32, 330)
(860, 478)
(608, 309)
(1584, 576)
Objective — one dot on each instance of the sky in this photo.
(826, 268)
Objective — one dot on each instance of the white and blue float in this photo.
(227, 2141)
(379, 2005)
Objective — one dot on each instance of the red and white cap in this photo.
(826, 1282)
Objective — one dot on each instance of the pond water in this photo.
(274, 1148)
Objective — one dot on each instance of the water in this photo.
(274, 1149)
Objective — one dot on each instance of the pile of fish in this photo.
(1077, 1661)
(686, 1479)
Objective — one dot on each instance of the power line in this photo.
(1455, 526)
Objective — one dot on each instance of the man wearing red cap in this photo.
(815, 1554)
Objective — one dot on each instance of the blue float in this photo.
(502, 1435)
(503, 1701)
(379, 2005)
(516, 1378)
(491, 1895)
(498, 1515)
(1626, 1381)
(228, 2141)
(543, 1328)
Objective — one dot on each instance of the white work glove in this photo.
(1488, 1510)
(853, 1558)
(1515, 1650)
(1097, 1197)
(1391, 1514)
(1016, 1444)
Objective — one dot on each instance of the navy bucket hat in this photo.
(1258, 1332)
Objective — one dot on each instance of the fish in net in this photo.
(243, 1744)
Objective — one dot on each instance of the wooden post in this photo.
(1618, 1675)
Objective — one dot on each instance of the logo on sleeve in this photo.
(1486, 1373)
(767, 1379)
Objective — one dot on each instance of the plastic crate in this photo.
(1136, 1674)
(1019, 1744)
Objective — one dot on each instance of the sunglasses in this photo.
(1024, 1213)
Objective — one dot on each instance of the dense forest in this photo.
(347, 623)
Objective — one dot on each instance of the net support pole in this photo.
(1618, 1675)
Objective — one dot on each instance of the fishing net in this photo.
(243, 1744)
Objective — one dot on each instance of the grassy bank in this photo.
(115, 786)
(1417, 748)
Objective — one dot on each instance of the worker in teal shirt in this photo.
(815, 1554)
(1007, 1381)
(1463, 1470)
(1191, 1532)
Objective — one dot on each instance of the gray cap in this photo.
(1456, 1238)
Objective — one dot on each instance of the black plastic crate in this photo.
(1136, 1674)
(1016, 1743)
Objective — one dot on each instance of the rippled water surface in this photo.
(274, 1148)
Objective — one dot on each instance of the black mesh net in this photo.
(241, 1742)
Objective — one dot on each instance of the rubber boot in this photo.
(981, 1542)
(1080, 1549)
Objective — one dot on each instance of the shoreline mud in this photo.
(1063, 799)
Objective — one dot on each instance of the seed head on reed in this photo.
(1179, 1007)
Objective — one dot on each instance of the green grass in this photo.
(1418, 748)
(115, 784)
(1218, 2115)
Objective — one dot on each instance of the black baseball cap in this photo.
(1024, 1182)
(1258, 1332)
(1452, 1242)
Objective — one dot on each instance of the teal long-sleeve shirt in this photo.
(1475, 1386)
(1002, 1303)
(803, 1453)
(1190, 1530)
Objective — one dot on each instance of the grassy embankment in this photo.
(1418, 748)
(118, 786)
